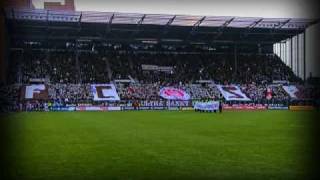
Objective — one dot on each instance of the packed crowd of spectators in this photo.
(278, 93)
(307, 92)
(151, 91)
(69, 75)
(63, 94)
(93, 67)
(58, 67)
(139, 91)
(9, 97)
(254, 91)
(197, 91)
(70, 93)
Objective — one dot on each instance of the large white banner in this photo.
(35, 91)
(206, 106)
(170, 93)
(232, 93)
(104, 92)
(291, 90)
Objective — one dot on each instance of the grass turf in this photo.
(159, 145)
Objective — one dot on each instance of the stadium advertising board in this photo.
(173, 108)
(97, 108)
(104, 92)
(207, 106)
(278, 107)
(150, 103)
(187, 109)
(158, 105)
(63, 108)
(178, 103)
(244, 107)
(162, 103)
(127, 108)
(232, 93)
(292, 91)
(170, 93)
(302, 108)
(35, 92)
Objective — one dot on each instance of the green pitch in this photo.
(159, 145)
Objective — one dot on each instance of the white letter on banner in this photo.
(291, 90)
(104, 92)
(34, 89)
(232, 93)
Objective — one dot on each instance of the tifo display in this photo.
(113, 97)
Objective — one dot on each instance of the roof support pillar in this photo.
(235, 53)
(304, 56)
(291, 53)
(79, 79)
(280, 45)
(298, 57)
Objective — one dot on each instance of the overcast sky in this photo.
(246, 8)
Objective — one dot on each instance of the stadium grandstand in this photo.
(152, 95)
(71, 52)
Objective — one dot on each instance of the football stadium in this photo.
(115, 95)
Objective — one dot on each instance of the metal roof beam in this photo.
(138, 25)
(108, 29)
(142, 19)
(284, 23)
(79, 24)
(197, 24)
(227, 22)
(250, 27)
(253, 25)
(220, 30)
(195, 27)
(80, 18)
(171, 20)
(111, 19)
(165, 30)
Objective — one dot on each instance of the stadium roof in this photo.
(158, 19)
(213, 27)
